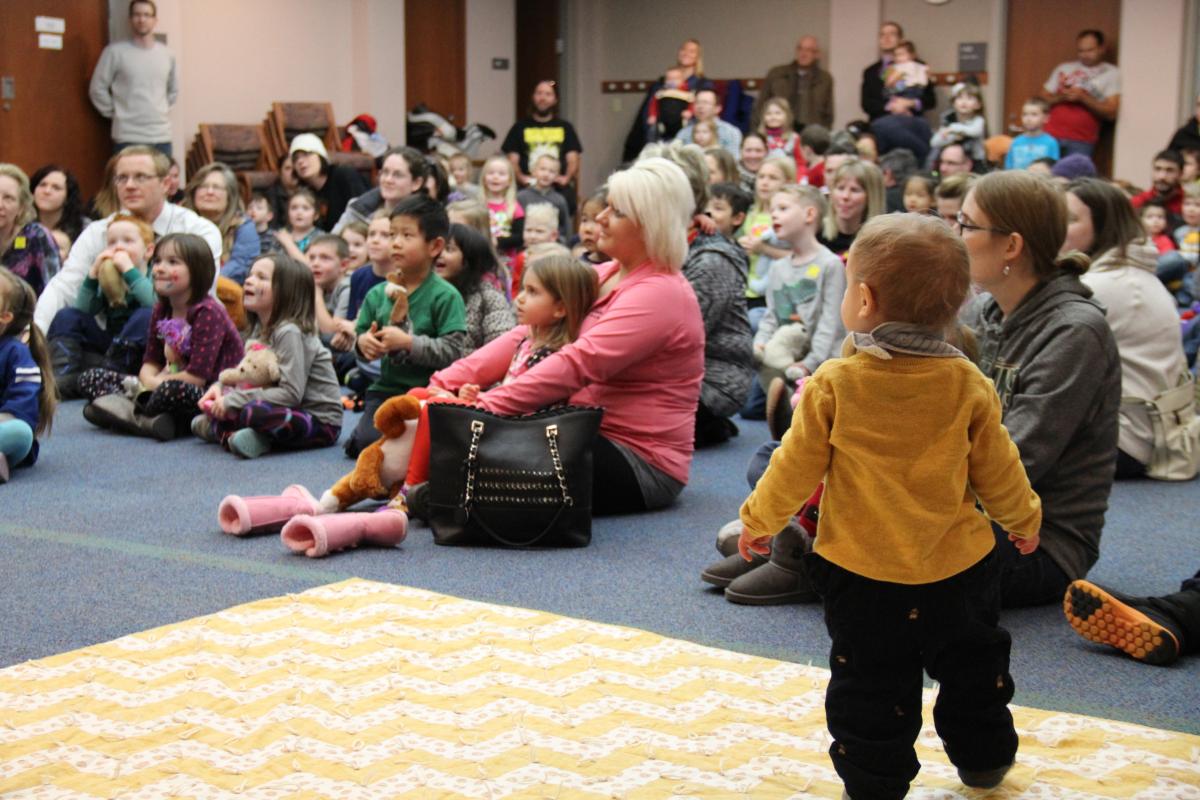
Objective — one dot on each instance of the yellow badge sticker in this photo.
(19, 243)
(813, 271)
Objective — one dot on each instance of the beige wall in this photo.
(617, 39)
(491, 93)
(236, 57)
(1153, 67)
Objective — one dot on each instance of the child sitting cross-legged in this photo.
(432, 336)
(304, 408)
(116, 291)
(906, 434)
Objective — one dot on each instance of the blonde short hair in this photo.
(806, 195)
(655, 194)
(542, 214)
(916, 265)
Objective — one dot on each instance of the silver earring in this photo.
(1007, 269)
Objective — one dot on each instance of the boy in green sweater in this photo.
(906, 434)
(435, 332)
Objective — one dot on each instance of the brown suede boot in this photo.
(781, 580)
(113, 411)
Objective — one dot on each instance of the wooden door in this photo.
(49, 117)
(1041, 36)
(537, 48)
(435, 56)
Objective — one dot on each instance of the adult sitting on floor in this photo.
(335, 185)
(402, 171)
(1140, 310)
(716, 268)
(640, 351)
(1044, 341)
(139, 180)
(213, 194)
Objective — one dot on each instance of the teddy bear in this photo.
(259, 368)
(112, 283)
(399, 296)
(787, 345)
(379, 472)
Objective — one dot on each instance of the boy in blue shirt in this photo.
(1034, 143)
(435, 331)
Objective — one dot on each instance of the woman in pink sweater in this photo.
(640, 351)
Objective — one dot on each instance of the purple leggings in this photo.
(287, 428)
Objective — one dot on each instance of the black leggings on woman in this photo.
(615, 488)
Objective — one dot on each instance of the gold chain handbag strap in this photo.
(552, 438)
(472, 461)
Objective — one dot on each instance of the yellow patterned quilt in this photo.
(361, 689)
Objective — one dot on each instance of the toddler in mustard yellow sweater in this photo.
(906, 433)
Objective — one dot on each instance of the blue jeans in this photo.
(1070, 147)
(75, 324)
(1175, 272)
(16, 440)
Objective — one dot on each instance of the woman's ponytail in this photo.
(1073, 262)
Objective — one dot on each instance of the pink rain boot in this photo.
(243, 516)
(316, 536)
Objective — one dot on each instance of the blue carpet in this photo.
(110, 535)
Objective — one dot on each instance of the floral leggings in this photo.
(287, 428)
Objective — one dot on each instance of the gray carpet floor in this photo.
(110, 535)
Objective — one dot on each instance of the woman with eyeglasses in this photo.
(213, 194)
(1045, 343)
(402, 171)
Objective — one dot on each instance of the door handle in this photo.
(8, 91)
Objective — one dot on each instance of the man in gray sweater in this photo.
(134, 84)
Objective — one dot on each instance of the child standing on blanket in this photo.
(903, 557)
(183, 271)
(434, 333)
(27, 394)
(556, 294)
(305, 408)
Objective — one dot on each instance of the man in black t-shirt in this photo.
(543, 131)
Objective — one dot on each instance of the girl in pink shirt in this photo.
(556, 293)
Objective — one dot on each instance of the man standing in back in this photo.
(134, 84)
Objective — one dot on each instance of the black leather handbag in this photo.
(511, 481)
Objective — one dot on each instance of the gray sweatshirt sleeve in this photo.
(1055, 392)
(438, 352)
(173, 82)
(100, 89)
(288, 345)
(825, 328)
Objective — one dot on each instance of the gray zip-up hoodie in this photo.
(716, 268)
(1055, 365)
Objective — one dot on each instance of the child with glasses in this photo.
(904, 558)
